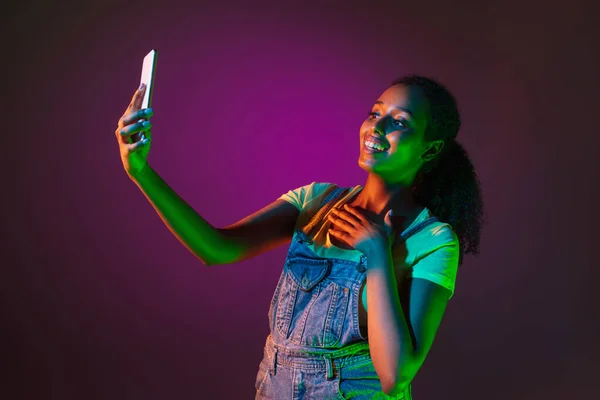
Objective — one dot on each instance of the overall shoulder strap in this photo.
(418, 227)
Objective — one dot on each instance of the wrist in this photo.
(378, 250)
(138, 176)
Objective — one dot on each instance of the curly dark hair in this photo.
(448, 185)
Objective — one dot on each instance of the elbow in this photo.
(388, 387)
(391, 385)
(397, 383)
(394, 388)
(208, 261)
(217, 258)
(222, 251)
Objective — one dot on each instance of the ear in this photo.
(433, 150)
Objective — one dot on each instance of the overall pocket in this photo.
(312, 308)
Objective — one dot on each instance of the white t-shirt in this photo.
(432, 253)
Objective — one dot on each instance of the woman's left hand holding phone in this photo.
(135, 120)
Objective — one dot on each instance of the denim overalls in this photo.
(315, 349)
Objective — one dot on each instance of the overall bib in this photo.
(315, 349)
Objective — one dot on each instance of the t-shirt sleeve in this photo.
(302, 196)
(439, 261)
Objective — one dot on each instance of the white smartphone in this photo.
(148, 72)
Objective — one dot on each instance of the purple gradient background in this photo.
(99, 301)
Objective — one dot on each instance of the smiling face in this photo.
(396, 123)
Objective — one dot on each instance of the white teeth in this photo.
(374, 146)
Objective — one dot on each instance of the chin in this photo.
(366, 164)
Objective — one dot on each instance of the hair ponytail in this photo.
(448, 185)
(449, 188)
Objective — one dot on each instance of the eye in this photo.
(398, 122)
(401, 122)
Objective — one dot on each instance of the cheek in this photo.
(410, 154)
(363, 129)
(404, 153)
(403, 142)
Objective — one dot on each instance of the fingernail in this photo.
(148, 111)
(141, 86)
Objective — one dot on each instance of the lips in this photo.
(376, 140)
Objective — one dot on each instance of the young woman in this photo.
(370, 269)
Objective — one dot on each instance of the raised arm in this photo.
(266, 229)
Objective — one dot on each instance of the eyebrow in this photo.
(406, 110)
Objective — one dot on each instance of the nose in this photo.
(379, 127)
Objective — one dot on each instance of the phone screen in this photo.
(148, 72)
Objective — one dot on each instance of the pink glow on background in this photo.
(98, 299)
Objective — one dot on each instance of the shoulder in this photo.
(305, 196)
(434, 254)
(441, 234)
(434, 236)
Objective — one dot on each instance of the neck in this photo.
(379, 196)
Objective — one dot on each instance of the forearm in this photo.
(193, 231)
(390, 342)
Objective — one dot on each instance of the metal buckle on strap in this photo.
(329, 366)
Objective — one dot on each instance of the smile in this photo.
(375, 147)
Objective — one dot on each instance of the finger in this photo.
(341, 222)
(136, 100)
(346, 237)
(353, 219)
(135, 116)
(136, 146)
(354, 212)
(131, 129)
